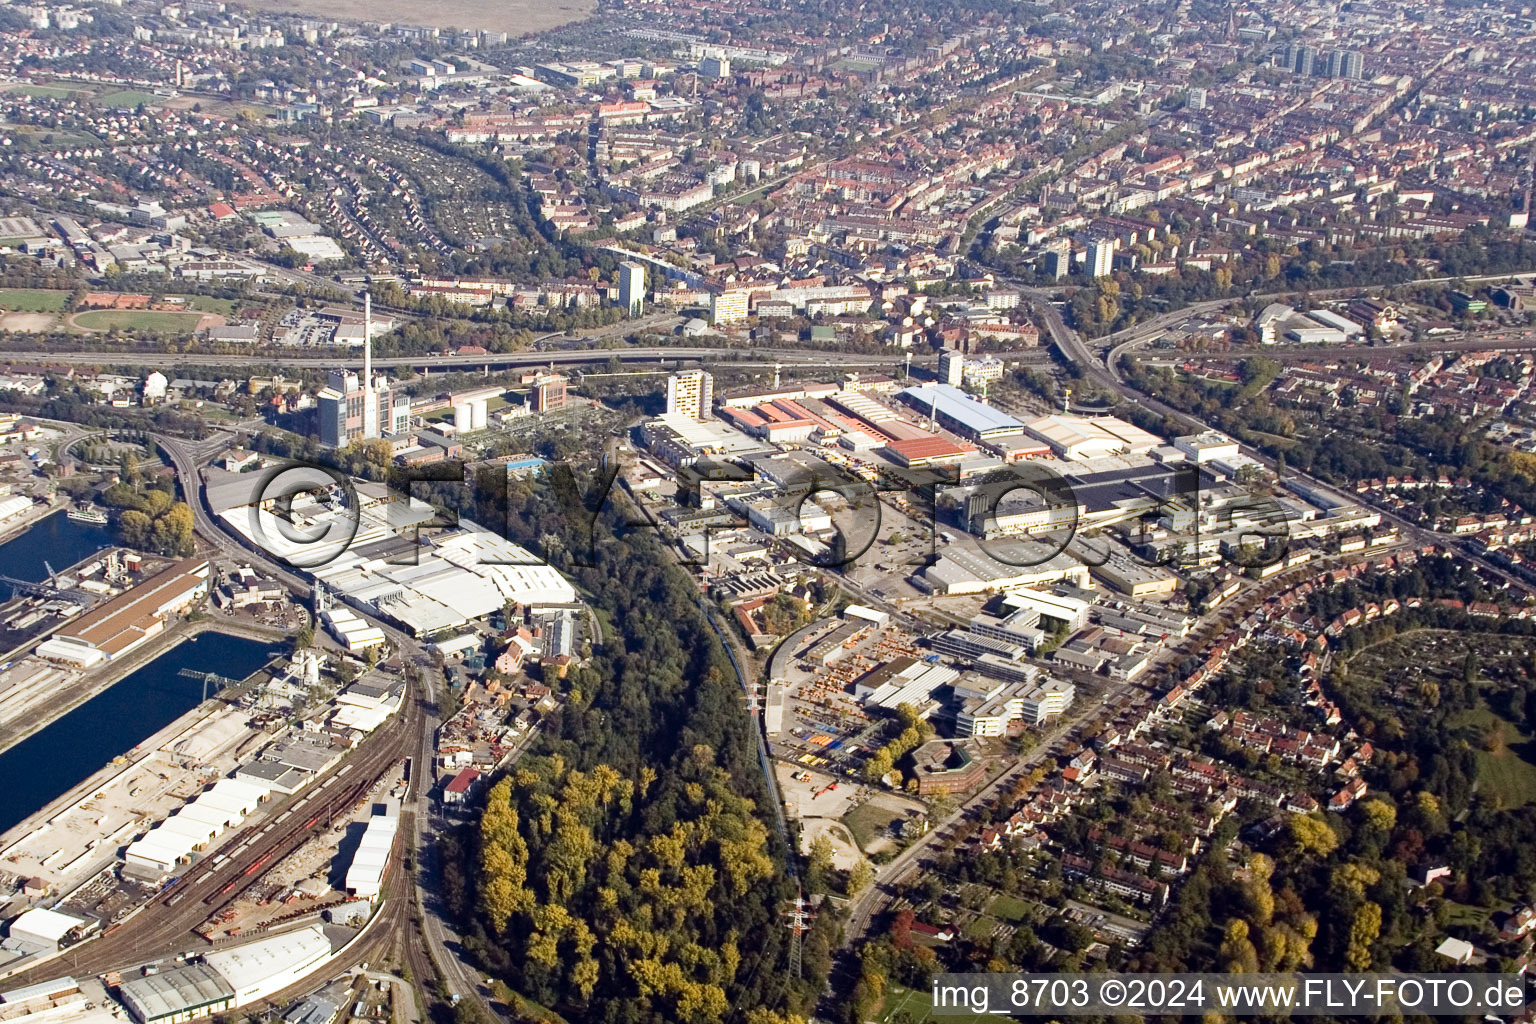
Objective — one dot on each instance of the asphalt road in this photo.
(891, 875)
(1507, 340)
(628, 354)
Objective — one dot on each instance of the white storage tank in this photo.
(463, 417)
(478, 409)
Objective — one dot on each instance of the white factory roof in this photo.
(196, 832)
(970, 570)
(458, 576)
(162, 847)
(175, 992)
(1083, 436)
(200, 820)
(464, 642)
(363, 719)
(1056, 605)
(913, 685)
(259, 968)
(207, 813)
(41, 990)
(711, 434)
(157, 849)
(40, 923)
(366, 873)
(236, 796)
(1272, 313)
(14, 504)
(947, 400)
(1332, 319)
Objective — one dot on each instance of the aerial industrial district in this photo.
(1095, 442)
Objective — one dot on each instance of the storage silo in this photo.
(463, 417)
(479, 412)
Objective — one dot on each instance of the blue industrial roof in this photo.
(960, 407)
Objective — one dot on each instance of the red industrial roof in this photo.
(462, 781)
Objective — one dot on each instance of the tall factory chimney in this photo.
(368, 341)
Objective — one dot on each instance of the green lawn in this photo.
(980, 927)
(747, 198)
(1009, 908)
(126, 98)
(867, 821)
(32, 300)
(1504, 774)
(919, 1006)
(1465, 915)
(605, 624)
(57, 137)
(46, 91)
(139, 320)
(210, 304)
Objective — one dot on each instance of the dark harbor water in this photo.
(58, 540)
(52, 760)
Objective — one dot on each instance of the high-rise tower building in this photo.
(951, 366)
(632, 287)
(691, 393)
(1058, 259)
(1101, 258)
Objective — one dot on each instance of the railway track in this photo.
(165, 924)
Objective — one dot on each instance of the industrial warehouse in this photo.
(225, 979)
(129, 619)
(388, 560)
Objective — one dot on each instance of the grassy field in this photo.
(1464, 915)
(1503, 774)
(979, 928)
(56, 137)
(127, 98)
(747, 198)
(32, 300)
(919, 1006)
(1008, 908)
(210, 304)
(139, 320)
(867, 821)
(53, 92)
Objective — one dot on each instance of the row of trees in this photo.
(151, 518)
(624, 870)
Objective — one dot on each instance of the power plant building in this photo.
(353, 407)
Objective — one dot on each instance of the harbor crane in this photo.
(221, 682)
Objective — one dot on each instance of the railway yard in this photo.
(168, 917)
